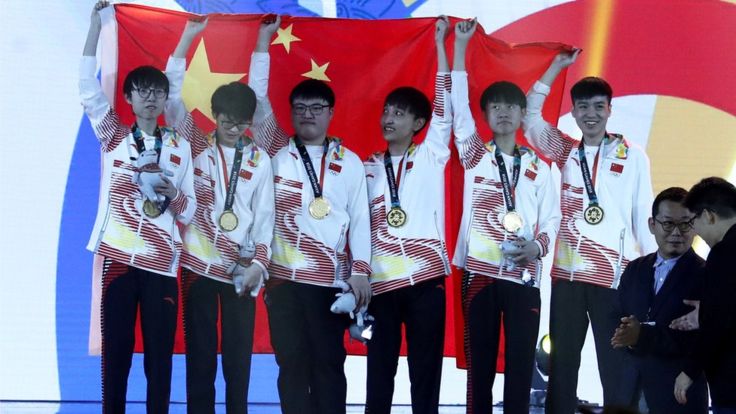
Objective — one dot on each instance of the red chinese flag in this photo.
(362, 60)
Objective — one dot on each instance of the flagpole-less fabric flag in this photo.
(362, 60)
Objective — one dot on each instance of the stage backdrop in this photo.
(670, 63)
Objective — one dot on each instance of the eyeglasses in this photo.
(158, 93)
(315, 109)
(683, 226)
(230, 124)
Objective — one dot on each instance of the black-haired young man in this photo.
(606, 196)
(321, 240)
(510, 217)
(406, 188)
(227, 246)
(146, 190)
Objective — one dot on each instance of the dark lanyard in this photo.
(508, 189)
(232, 183)
(140, 142)
(587, 180)
(316, 185)
(394, 181)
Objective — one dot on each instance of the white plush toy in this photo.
(248, 250)
(345, 303)
(508, 247)
(149, 175)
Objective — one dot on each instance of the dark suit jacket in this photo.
(662, 353)
(717, 340)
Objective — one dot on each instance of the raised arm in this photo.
(267, 132)
(469, 144)
(175, 111)
(440, 35)
(546, 138)
(102, 117)
(95, 27)
(438, 134)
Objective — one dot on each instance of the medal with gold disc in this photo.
(512, 221)
(228, 220)
(593, 214)
(151, 209)
(320, 207)
(396, 216)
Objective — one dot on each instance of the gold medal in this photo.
(396, 217)
(593, 214)
(151, 209)
(228, 220)
(512, 221)
(319, 208)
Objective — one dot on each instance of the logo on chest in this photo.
(334, 168)
(245, 175)
(616, 169)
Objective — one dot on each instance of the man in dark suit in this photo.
(713, 200)
(651, 295)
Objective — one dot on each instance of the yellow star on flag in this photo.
(284, 37)
(200, 82)
(317, 71)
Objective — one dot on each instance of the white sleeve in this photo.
(438, 134)
(359, 234)
(267, 133)
(548, 213)
(544, 137)
(463, 123)
(175, 111)
(264, 215)
(470, 145)
(185, 202)
(642, 198)
(95, 103)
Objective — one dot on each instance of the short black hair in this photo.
(235, 100)
(674, 194)
(714, 194)
(144, 77)
(589, 87)
(411, 100)
(313, 89)
(502, 92)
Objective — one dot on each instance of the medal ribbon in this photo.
(232, 183)
(316, 185)
(141, 146)
(587, 180)
(394, 182)
(508, 189)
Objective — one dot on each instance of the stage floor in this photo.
(180, 408)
